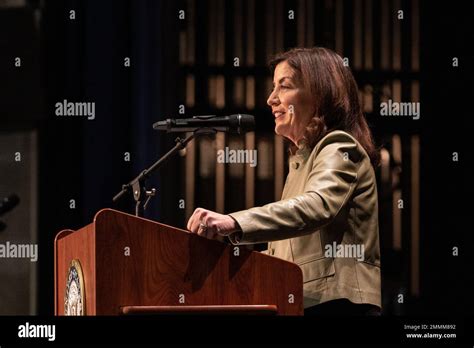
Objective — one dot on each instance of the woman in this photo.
(327, 220)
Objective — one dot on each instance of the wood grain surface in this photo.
(129, 262)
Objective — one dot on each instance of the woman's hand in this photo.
(207, 223)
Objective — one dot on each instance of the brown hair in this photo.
(335, 94)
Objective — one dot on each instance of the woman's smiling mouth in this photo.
(278, 114)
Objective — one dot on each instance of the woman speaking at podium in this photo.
(327, 219)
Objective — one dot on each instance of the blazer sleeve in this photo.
(329, 187)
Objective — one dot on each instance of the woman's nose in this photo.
(272, 99)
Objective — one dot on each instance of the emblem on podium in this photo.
(74, 299)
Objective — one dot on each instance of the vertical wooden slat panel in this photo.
(415, 35)
(190, 158)
(415, 91)
(269, 29)
(220, 35)
(384, 166)
(207, 157)
(183, 49)
(33, 182)
(220, 175)
(260, 51)
(211, 91)
(415, 215)
(190, 91)
(218, 98)
(250, 29)
(339, 28)
(220, 92)
(250, 92)
(250, 172)
(397, 156)
(397, 194)
(415, 201)
(397, 90)
(385, 200)
(358, 34)
(201, 54)
(397, 55)
(368, 37)
(229, 51)
(376, 38)
(329, 24)
(385, 37)
(190, 165)
(190, 34)
(279, 26)
(238, 29)
(250, 104)
(368, 99)
(239, 87)
(301, 23)
(310, 23)
(235, 171)
(212, 32)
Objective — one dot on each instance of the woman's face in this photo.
(290, 102)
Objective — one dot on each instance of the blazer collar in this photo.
(302, 153)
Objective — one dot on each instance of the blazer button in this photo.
(295, 165)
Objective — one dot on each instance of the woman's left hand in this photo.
(207, 223)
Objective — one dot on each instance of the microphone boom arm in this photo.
(137, 185)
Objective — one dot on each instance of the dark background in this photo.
(82, 60)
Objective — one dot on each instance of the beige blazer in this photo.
(326, 222)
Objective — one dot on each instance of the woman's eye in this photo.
(281, 86)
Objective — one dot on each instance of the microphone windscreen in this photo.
(246, 122)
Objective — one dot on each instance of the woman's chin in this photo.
(280, 129)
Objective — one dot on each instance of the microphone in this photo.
(238, 123)
(8, 203)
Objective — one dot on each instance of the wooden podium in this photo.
(132, 265)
